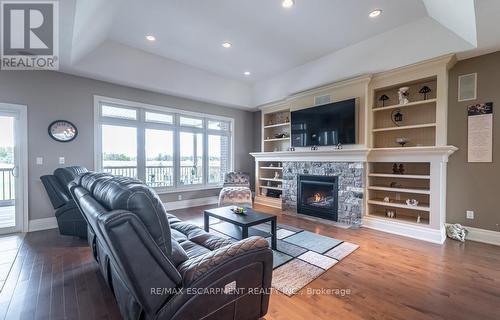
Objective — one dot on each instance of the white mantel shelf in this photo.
(360, 154)
(343, 155)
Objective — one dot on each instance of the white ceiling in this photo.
(287, 50)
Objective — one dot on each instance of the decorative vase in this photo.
(403, 94)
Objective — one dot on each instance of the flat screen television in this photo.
(325, 125)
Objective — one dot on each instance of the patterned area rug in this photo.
(301, 256)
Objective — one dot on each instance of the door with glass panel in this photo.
(11, 186)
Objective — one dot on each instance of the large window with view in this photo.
(168, 149)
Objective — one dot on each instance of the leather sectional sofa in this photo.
(159, 267)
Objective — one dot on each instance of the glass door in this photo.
(11, 205)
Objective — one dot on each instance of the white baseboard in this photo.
(175, 205)
(482, 235)
(42, 224)
(404, 229)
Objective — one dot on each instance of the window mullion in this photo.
(141, 148)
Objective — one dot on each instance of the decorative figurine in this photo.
(390, 213)
(386, 199)
(339, 146)
(276, 175)
(403, 94)
(418, 218)
(401, 141)
(395, 169)
(412, 202)
(401, 169)
(397, 117)
(383, 98)
(425, 91)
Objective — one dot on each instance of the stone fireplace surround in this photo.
(351, 186)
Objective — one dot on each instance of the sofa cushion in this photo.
(120, 193)
(178, 254)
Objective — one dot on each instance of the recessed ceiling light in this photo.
(288, 3)
(150, 38)
(375, 13)
(227, 45)
(247, 73)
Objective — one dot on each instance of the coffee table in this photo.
(240, 224)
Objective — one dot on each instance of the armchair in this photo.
(69, 219)
(236, 190)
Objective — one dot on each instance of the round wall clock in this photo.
(63, 131)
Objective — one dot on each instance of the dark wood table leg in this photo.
(274, 231)
(205, 220)
(244, 232)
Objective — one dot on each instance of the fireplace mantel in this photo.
(440, 154)
(343, 155)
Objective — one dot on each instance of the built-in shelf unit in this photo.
(276, 130)
(418, 123)
(269, 183)
(388, 191)
(424, 156)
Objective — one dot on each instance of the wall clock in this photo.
(63, 131)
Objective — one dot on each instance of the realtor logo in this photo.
(29, 35)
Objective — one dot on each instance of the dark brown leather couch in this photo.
(162, 268)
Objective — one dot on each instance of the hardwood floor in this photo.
(389, 277)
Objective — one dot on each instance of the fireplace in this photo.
(318, 196)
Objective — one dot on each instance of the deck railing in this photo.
(7, 186)
(162, 176)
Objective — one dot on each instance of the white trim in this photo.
(483, 235)
(406, 230)
(22, 144)
(175, 205)
(42, 224)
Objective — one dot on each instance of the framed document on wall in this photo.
(480, 132)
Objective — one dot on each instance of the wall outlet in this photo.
(62, 160)
(39, 161)
(179, 197)
(469, 214)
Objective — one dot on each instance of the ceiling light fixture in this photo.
(247, 73)
(375, 13)
(150, 38)
(227, 45)
(288, 3)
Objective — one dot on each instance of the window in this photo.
(119, 156)
(166, 148)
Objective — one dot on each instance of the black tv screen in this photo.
(325, 125)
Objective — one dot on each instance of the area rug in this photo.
(301, 256)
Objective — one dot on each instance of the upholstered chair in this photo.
(236, 190)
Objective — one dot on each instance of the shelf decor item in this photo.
(238, 210)
(401, 168)
(403, 94)
(412, 202)
(395, 169)
(276, 175)
(383, 98)
(397, 117)
(418, 219)
(401, 141)
(386, 199)
(425, 91)
(390, 213)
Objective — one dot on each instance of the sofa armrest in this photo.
(199, 267)
(138, 259)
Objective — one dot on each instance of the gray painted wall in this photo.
(474, 186)
(51, 96)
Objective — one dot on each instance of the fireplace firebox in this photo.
(318, 196)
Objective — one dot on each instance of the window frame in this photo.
(142, 125)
